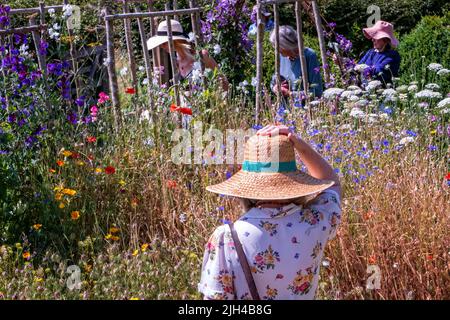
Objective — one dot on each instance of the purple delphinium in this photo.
(80, 101)
(344, 44)
(4, 19)
(43, 46)
(72, 117)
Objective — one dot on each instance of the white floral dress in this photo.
(284, 251)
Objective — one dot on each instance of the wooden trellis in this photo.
(299, 4)
(126, 17)
(39, 31)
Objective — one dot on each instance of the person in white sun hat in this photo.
(185, 53)
(275, 249)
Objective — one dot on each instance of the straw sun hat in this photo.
(162, 34)
(265, 176)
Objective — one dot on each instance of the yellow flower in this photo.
(69, 192)
(26, 255)
(75, 215)
(58, 188)
(135, 253)
(18, 245)
(433, 132)
(81, 163)
(58, 196)
(61, 205)
(114, 230)
(37, 279)
(144, 247)
(133, 298)
(108, 236)
(66, 153)
(193, 256)
(93, 44)
(88, 268)
(122, 183)
(37, 226)
(98, 170)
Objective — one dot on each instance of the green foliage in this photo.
(428, 42)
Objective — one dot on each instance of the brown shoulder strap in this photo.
(244, 263)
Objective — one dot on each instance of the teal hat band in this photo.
(271, 167)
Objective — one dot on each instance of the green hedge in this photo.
(427, 42)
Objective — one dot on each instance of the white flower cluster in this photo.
(53, 32)
(443, 72)
(24, 50)
(123, 72)
(434, 67)
(372, 85)
(191, 36)
(67, 11)
(413, 87)
(361, 67)
(444, 103)
(406, 140)
(332, 93)
(243, 86)
(217, 49)
(402, 89)
(432, 86)
(428, 94)
(357, 113)
(51, 11)
(254, 81)
(444, 106)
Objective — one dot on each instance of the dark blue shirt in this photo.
(378, 62)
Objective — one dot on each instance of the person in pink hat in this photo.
(384, 62)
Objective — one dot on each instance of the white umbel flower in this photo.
(372, 85)
(191, 36)
(413, 88)
(361, 67)
(444, 103)
(434, 67)
(428, 94)
(432, 86)
(357, 113)
(443, 72)
(332, 93)
(406, 140)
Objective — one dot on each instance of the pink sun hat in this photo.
(381, 29)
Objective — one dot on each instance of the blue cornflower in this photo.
(257, 126)
(411, 133)
(432, 148)
(228, 174)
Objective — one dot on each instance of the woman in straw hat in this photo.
(185, 53)
(384, 62)
(273, 251)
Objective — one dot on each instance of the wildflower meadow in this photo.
(90, 210)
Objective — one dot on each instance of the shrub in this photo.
(428, 42)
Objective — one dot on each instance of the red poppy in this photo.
(75, 155)
(429, 257)
(130, 90)
(91, 139)
(372, 260)
(174, 108)
(110, 170)
(171, 184)
(187, 111)
(447, 177)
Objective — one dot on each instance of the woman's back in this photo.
(284, 248)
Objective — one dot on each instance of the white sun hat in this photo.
(162, 34)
